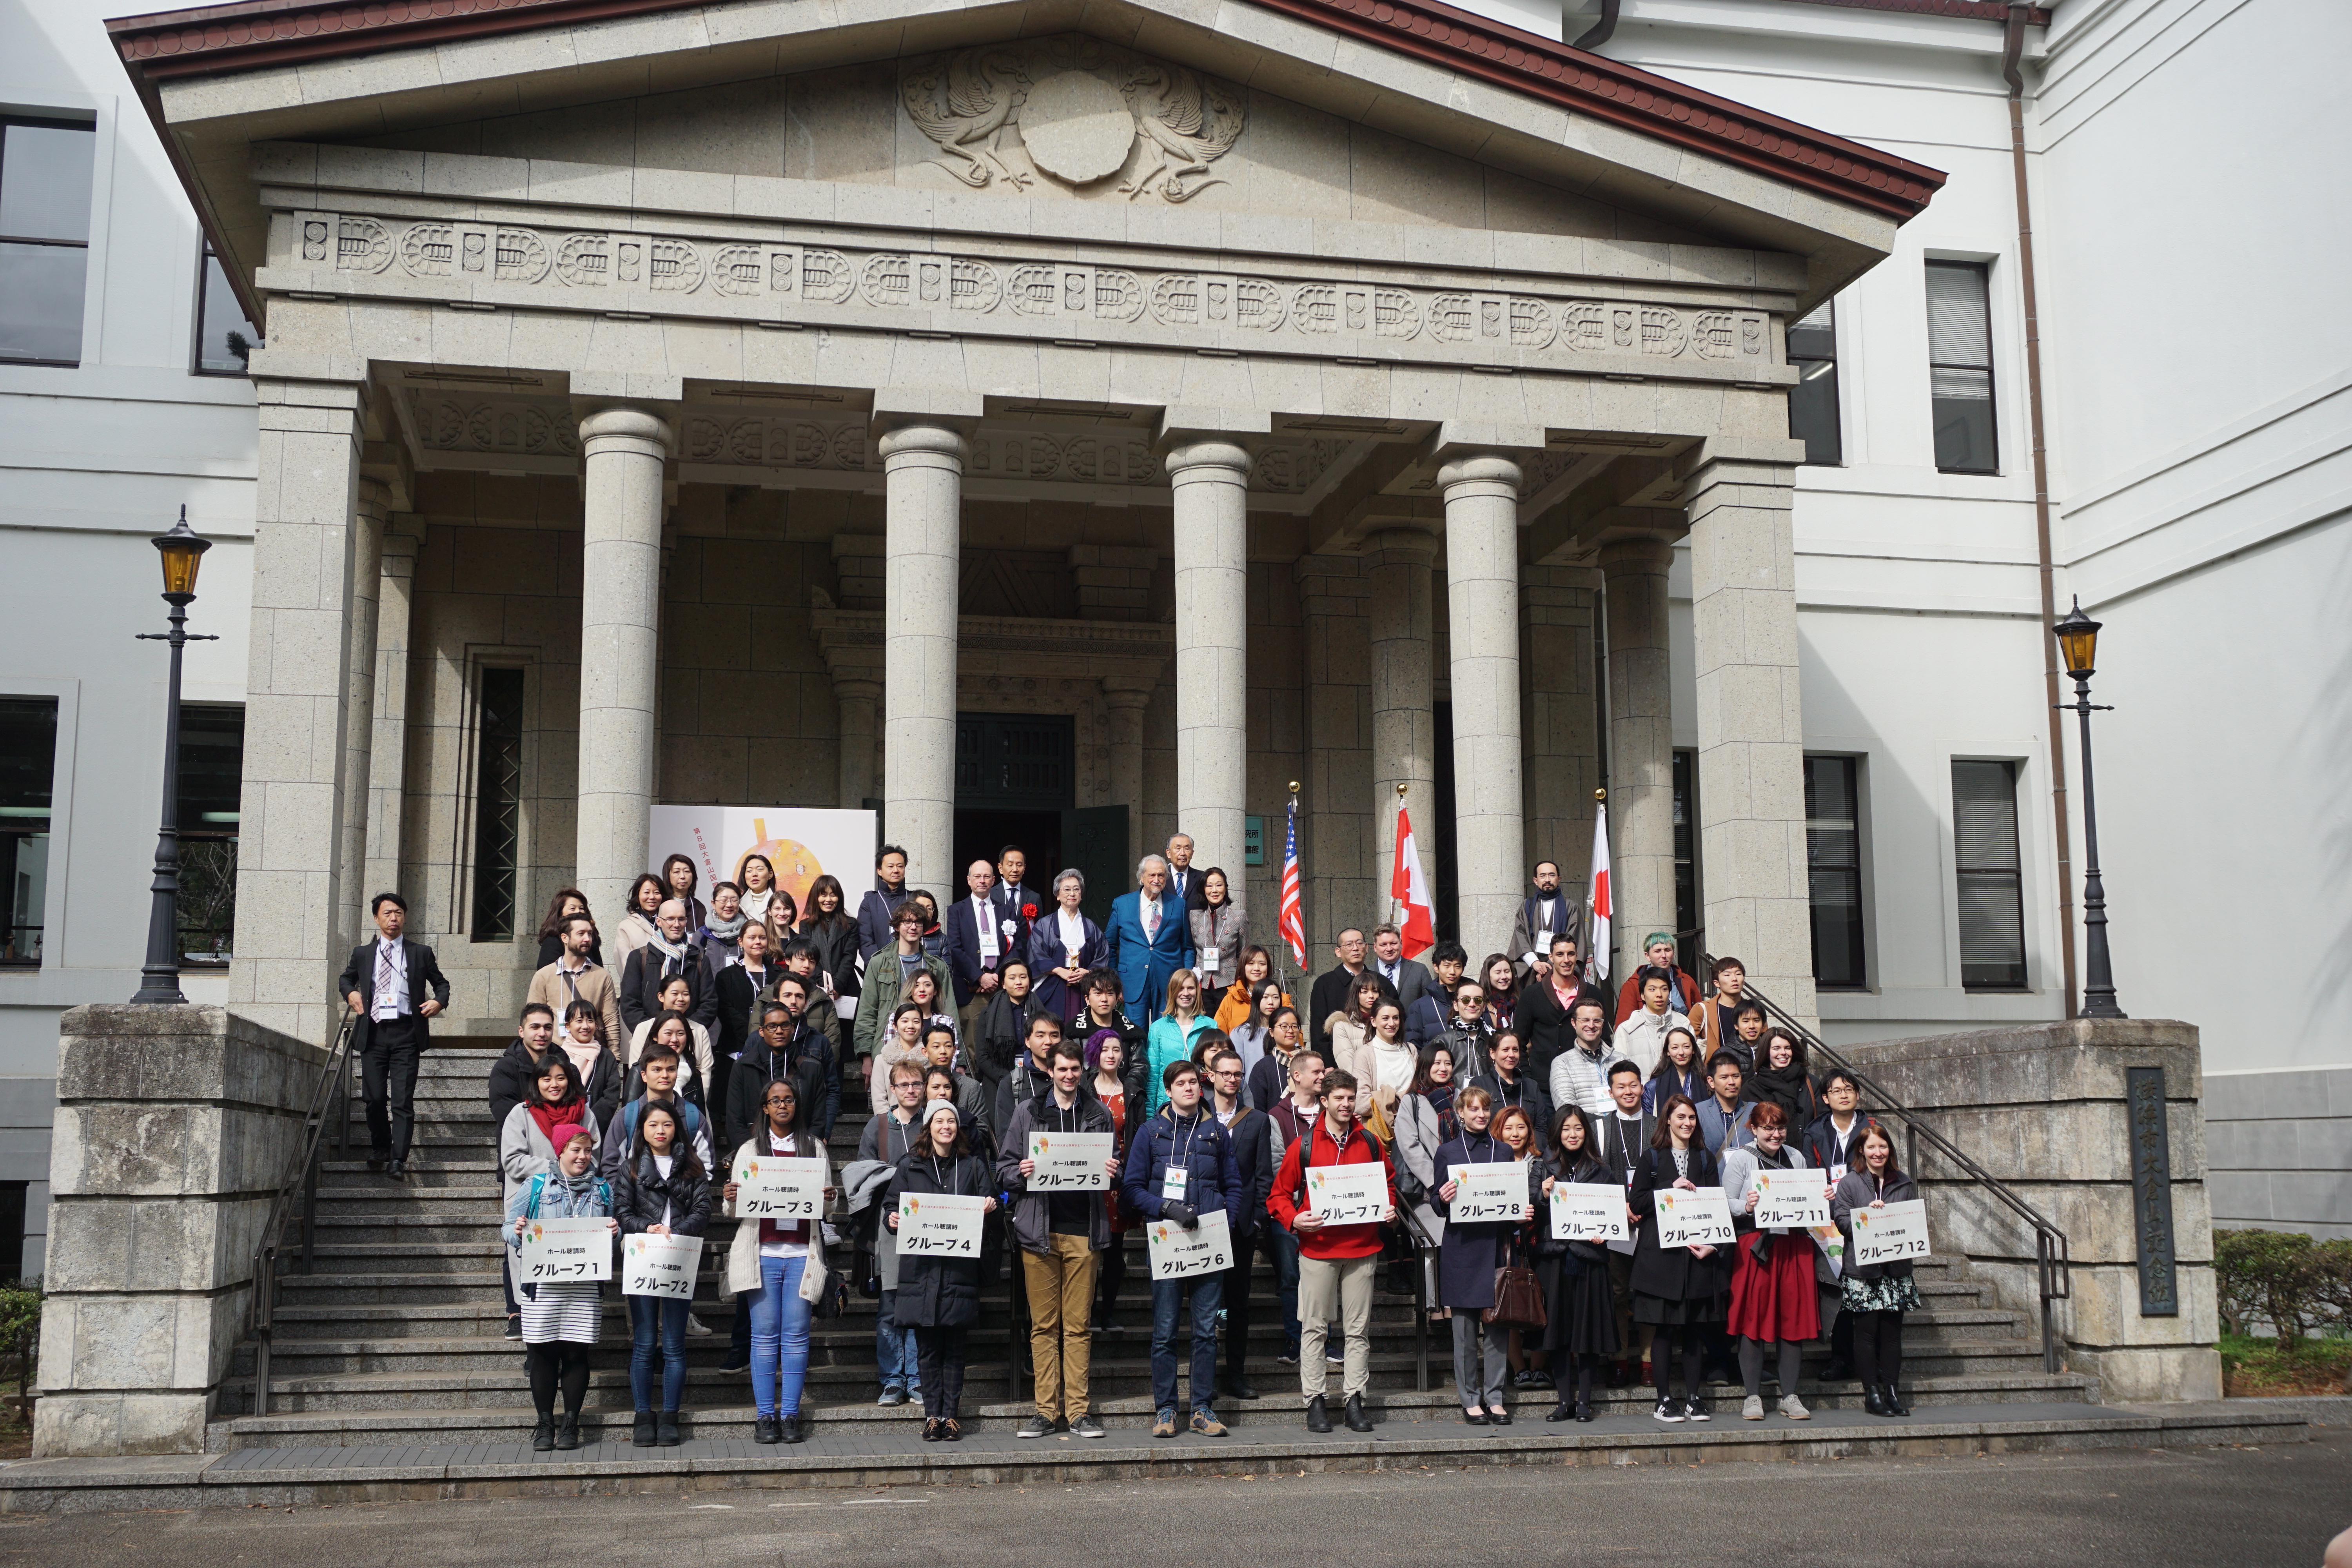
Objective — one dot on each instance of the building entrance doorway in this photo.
(1016, 782)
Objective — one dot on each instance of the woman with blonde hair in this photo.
(1173, 1033)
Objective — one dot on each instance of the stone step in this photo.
(310, 1470)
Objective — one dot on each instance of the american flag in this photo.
(1290, 922)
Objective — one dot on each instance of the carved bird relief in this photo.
(980, 94)
(1187, 121)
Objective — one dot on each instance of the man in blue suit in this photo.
(1149, 940)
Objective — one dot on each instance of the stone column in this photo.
(1212, 560)
(368, 517)
(290, 877)
(1561, 711)
(1752, 736)
(1339, 822)
(388, 758)
(1641, 747)
(1482, 587)
(1128, 698)
(1402, 624)
(620, 609)
(858, 702)
(923, 465)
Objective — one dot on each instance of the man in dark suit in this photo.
(977, 943)
(875, 929)
(1012, 894)
(395, 985)
(1329, 1000)
(1253, 1140)
(1426, 1018)
(670, 954)
(1183, 877)
(1545, 1002)
(1405, 977)
(1625, 1132)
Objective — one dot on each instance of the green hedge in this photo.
(2282, 1278)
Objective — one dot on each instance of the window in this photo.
(497, 804)
(1833, 862)
(212, 771)
(1813, 401)
(45, 178)
(1688, 935)
(1959, 366)
(225, 339)
(29, 761)
(1992, 892)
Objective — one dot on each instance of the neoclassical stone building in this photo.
(999, 409)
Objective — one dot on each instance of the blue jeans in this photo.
(647, 1313)
(894, 1348)
(780, 1337)
(1167, 1300)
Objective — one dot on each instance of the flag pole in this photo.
(1592, 960)
(1396, 905)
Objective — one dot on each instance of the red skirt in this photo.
(1775, 1299)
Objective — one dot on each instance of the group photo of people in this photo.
(890, 1052)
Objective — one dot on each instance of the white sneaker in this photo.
(696, 1329)
(1794, 1408)
(1752, 1410)
(832, 1235)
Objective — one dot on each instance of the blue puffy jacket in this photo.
(1212, 1179)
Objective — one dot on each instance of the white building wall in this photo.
(95, 461)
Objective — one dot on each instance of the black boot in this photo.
(1564, 1411)
(767, 1429)
(1319, 1419)
(1871, 1403)
(1357, 1420)
(1893, 1401)
(567, 1433)
(542, 1437)
(668, 1437)
(1238, 1386)
(643, 1436)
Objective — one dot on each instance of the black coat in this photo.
(836, 951)
(806, 1060)
(1253, 1137)
(1528, 1094)
(1328, 996)
(733, 1001)
(1468, 1255)
(937, 1292)
(1135, 1066)
(510, 1078)
(604, 1086)
(425, 984)
(640, 1192)
(1001, 1038)
(1672, 1274)
(1543, 1028)
(641, 983)
(1855, 1192)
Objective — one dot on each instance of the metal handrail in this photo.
(302, 1176)
(1422, 1247)
(2053, 1261)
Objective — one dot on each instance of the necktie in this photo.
(1150, 919)
(386, 981)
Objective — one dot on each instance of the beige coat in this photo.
(742, 1276)
(597, 987)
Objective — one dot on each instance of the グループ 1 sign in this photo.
(561, 1249)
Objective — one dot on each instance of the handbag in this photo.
(1518, 1299)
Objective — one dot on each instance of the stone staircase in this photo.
(397, 1335)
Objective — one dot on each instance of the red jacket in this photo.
(1288, 1198)
(1686, 995)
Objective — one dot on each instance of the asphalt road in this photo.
(2213, 1508)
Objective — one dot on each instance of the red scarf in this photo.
(550, 1117)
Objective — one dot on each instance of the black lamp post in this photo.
(2078, 637)
(159, 983)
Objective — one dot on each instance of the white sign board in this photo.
(1180, 1254)
(1892, 1234)
(555, 1250)
(1787, 1198)
(1698, 1217)
(1349, 1195)
(1069, 1162)
(1489, 1191)
(939, 1224)
(659, 1265)
(1588, 1212)
(777, 1187)
(800, 843)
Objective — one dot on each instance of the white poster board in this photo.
(659, 1265)
(1349, 1195)
(1890, 1235)
(777, 1187)
(1699, 1217)
(1069, 1162)
(939, 1224)
(1489, 1191)
(558, 1250)
(802, 843)
(1787, 1198)
(1180, 1254)
(1588, 1212)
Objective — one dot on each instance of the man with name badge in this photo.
(1625, 1133)
(1060, 1223)
(1338, 1241)
(1180, 1164)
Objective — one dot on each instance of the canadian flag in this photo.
(1409, 888)
(1596, 947)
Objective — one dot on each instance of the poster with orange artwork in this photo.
(802, 843)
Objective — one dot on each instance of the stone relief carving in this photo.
(1076, 111)
(1060, 295)
(444, 424)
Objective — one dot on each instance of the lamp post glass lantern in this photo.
(183, 551)
(2078, 638)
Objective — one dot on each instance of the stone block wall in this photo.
(2044, 1109)
(2281, 1145)
(175, 1127)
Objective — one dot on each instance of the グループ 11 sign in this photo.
(563, 1249)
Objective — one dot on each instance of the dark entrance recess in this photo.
(1016, 782)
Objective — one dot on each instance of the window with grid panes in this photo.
(45, 187)
(1959, 366)
(1991, 885)
(497, 803)
(1834, 866)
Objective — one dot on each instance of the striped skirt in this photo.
(572, 1311)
